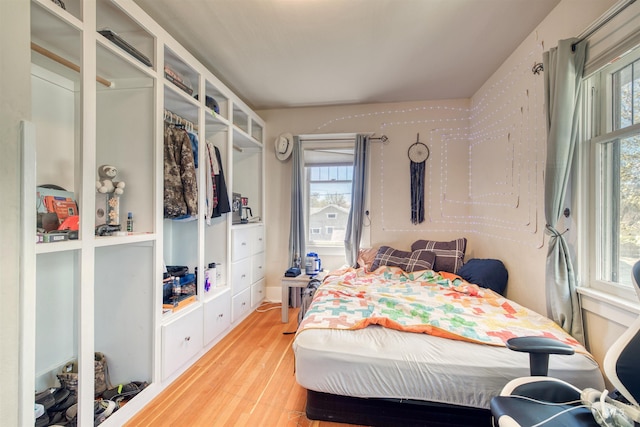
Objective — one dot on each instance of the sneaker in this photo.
(72, 412)
(46, 398)
(101, 410)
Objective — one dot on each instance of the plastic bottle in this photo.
(210, 277)
(129, 222)
(310, 264)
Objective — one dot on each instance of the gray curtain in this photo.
(563, 69)
(297, 232)
(353, 233)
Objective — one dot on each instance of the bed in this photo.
(397, 344)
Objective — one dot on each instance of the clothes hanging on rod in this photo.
(210, 175)
(193, 137)
(180, 184)
(223, 206)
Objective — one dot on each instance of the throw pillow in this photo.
(488, 273)
(408, 261)
(366, 258)
(449, 255)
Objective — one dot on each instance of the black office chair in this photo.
(540, 400)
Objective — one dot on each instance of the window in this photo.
(329, 189)
(328, 170)
(614, 169)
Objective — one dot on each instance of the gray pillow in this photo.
(449, 255)
(408, 261)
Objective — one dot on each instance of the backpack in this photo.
(307, 297)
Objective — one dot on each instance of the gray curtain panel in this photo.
(563, 70)
(297, 232)
(353, 233)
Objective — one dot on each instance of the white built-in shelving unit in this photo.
(104, 294)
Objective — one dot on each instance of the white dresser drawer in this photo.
(257, 267)
(257, 293)
(217, 317)
(241, 305)
(181, 340)
(240, 275)
(241, 243)
(257, 240)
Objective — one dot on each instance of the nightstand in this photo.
(300, 281)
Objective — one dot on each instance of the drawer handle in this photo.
(221, 315)
(244, 303)
(187, 338)
(243, 243)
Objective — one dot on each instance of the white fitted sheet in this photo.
(377, 362)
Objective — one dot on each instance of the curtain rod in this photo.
(341, 137)
(602, 21)
(595, 26)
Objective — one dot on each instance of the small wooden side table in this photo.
(300, 281)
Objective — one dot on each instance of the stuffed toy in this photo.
(106, 183)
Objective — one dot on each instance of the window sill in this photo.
(609, 306)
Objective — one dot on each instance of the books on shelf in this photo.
(178, 80)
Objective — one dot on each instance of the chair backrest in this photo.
(621, 363)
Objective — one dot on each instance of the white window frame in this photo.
(597, 130)
(333, 140)
(332, 215)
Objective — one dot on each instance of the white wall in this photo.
(484, 176)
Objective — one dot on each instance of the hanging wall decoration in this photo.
(418, 154)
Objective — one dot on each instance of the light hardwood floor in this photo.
(247, 379)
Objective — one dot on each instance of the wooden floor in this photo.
(247, 379)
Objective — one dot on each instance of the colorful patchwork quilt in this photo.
(424, 302)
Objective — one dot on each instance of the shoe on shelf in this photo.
(63, 405)
(45, 398)
(125, 390)
(71, 413)
(102, 409)
(42, 420)
(38, 410)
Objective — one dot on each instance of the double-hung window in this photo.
(612, 172)
(328, 174)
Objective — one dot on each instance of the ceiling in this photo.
(294, 53)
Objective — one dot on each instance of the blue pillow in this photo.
(487, 273)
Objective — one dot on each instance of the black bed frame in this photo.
(392, 412)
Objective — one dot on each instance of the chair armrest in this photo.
(539, 349)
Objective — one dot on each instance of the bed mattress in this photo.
(377, 362)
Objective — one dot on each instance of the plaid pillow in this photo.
(408, 261)
(449, 255)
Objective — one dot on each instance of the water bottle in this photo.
(310, 264)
